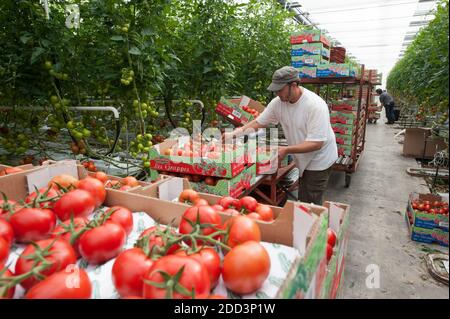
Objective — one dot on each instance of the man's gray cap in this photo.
(283, 76)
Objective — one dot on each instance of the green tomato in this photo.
(21, 137)
(124, 29)
(134, 154)
(48, 65)
(144, 113)
(139, 137)
(65, 102)
(144, 106)
(54, 99)
(149, 144)
(146, 149)
(148, 136)
(64, 77)
(21, 150)
(131, 73)
(86, 133)
(136, 103)
(70, 125)
(140, 146)
(78, 135)
(147, 164)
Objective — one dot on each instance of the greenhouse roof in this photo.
(376, 33)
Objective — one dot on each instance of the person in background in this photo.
(388, 102)
(305, 119)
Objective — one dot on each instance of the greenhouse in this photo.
(224, 149)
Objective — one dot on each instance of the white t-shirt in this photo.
(306, 120)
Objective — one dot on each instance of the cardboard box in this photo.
(233, 187)
(334, 70)
(267, 162)
(307, 72)
(307, 60)
(424, 219)
(231, 109)
(343, 139)
(346, 129)
(294, 227)
(419, 143)
(345, 150)
(229, 165)
(24, 168)
(310, 36)
(343, 117)
(310, 49)
(426, 235)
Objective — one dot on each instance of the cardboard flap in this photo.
(303, 221)
(41, 177)
(335, 216)
(170, 189)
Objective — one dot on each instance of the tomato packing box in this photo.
(334, 70)
(227, 164)
(232, 109)
(307, 60)
(310, 49)
(310, 36)
(307, 72)
(424, 226)
(338, 221)
(267, 162)
(295, 240)
(6, 170)
(296, 225)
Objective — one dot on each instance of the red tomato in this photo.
(63, 285)
(246, 267)
(4, 250)
(46, 198)
(32, 224)
(94, 187)
(229, 202)
(254, 216)
(189, 196)
(427, 207)
(6, 231)
(7, 208)
(249, 203)
(60, 255)
(217, 297)
(210, 259)
(130, 181)
(205, 215)
(10, 170)
(218, 208)
(101, 176)
(129, 270)
(64, 180)
(159, 241)
(414, 205)
(437, 204)
(331, 237)
(5, 273)
(241, 230)
(122, 216)
(232, 212)
(265, 212)
(201, 202)
(194, 278)
(102, 243)
(125, 188)
(78, 203)
(70, 232)
(211, 181)
(329, 252)
(421, 207)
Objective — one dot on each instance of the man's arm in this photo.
(241, 130)
(305, 147)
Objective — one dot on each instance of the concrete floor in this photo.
(378, 232)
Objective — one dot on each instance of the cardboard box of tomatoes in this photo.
(307, 273)
(297, 225)
(8, 170)
(310, 36)
(185, 157)
(338, 238)
(427, 218)
(239, 111)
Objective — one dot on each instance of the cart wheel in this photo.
(348, 180)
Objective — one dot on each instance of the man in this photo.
(305, 119)
(388, 102)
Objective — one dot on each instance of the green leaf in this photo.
(135, 51)
(37, 52)
(25, 38)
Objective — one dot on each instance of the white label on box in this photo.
(335, 216)
(443, 224)
(170, 189)
(446, 265)
(244, 101)
(236, 114)
(40, 178)
(303, 221)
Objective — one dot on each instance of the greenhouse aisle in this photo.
(378, 232)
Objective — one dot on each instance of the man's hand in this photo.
(282, 153)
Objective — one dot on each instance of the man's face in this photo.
(283, 94)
